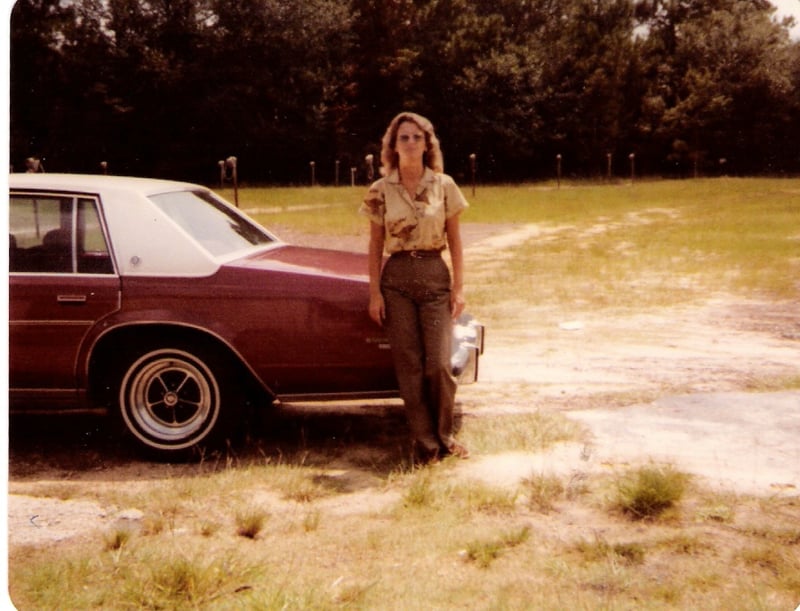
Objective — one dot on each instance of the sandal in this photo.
(458, 450)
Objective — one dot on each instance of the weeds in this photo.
(647, 492)
(483, 498)
(779, 564)
(529, 432)
(420, 492)
(301, 485)
(464, 497)
(780, 536)
(250, 522)
(600, 549)
(208, 528)
(687, 545)
(720, 512)
(720, 556)
(484, 552)
(116, 539)
(182, 582)
(542, 491)
(348, 593)
(311, 521)
(154, 525)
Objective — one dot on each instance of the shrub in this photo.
(250, 522)
(542, 491)
(648, 491)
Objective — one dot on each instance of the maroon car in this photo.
(172, 309)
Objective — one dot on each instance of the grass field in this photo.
(326, 526)
(620, 245)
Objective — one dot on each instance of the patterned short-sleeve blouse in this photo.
(417, 224)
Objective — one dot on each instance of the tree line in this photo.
(169, 87)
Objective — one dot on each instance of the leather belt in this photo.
(418, 254)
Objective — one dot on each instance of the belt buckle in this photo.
(415, 254)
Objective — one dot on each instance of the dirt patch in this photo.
(680, 385)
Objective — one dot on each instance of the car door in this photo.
(62, 280)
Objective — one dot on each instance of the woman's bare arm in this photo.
(453, 229)
(377, 308)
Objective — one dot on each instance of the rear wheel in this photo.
(172, 399)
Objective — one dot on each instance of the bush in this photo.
(648, 491)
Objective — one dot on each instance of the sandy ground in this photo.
(679, 385)
(702, 412)
(698, 370)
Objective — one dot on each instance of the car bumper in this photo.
(468, 343)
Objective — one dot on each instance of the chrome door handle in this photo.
(71, 299)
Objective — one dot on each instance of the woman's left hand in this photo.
(457, 303)
(453, 230)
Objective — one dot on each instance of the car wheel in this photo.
(171, 399)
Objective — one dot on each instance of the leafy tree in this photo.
(38, 105)
(279, 98)
(593, 84)
(169, 87)
(481, 79)
(719, 83)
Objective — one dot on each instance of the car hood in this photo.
(301, 259)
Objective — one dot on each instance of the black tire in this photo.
(173, 399)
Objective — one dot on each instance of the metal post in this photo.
(336, 180)
(313, 165)
(472, 159)
(632, 158)
(231, 163)
(34, 165)
(558, 170)
(370, 167)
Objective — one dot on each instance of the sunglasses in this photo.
(414, 137)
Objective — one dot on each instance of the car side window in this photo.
(93, 254)
(56, 234)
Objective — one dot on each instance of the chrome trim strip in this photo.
(40, 391)
(340, 396)
(50, 323)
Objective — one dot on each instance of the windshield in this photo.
(215, 226)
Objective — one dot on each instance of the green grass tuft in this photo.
(542, 491)
(483, 552)
(250, 522)
(117, 539)
(647, 492)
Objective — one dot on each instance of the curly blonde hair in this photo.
(432, 157)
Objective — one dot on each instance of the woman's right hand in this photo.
(377, 308)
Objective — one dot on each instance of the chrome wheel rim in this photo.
(170, 399)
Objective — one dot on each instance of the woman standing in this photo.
(413, 212)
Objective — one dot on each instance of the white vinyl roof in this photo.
(145, 241)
